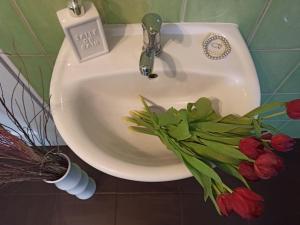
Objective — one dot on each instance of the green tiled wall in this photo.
(31, 34)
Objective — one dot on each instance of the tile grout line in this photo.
(284, 80)
(283, 125)
(279, 93)
(282, 93)
(284, 120)
(116, 209)
(27, 55)
(29, 28)
(181, 208)
(116, 194)
(27, 24)
(259, 21)
(183, 10)
(275, 50)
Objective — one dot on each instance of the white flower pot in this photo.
(75, 181)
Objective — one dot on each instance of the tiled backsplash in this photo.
(31, 34)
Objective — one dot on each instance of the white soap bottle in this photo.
(83, 29)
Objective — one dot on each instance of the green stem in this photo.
(274, 114)
(227, 188)
(216, 189)
(251, 160)
(264, 108)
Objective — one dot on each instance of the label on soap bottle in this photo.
(87, 40)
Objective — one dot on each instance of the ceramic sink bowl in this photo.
(90, 99)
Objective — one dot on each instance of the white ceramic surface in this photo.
(90, 99)
(75, 181)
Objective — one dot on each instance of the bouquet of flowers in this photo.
(243, 146)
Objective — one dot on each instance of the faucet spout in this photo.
(146, 62)
(151, 24)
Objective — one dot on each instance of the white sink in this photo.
(90, 99)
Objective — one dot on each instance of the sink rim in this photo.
(139, 172)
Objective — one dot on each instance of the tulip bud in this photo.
(268, 165)
(282, 142)
(266, 136)
(246, 169)
(293, 109)
(223, 202)
(247, 203)
(251, 147)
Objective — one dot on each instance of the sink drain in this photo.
(216, 47)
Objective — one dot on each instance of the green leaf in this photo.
(180, 131)
(139, 121)
(199, 110)
(213, 116)
(219, 127)
(152, 116)
(234, 140)
(201, 166)
(234, 119)
(210, 153)
(229, 169)
(242, 131)
(170, 145)
(264, 108)
(170, 117)
(226, 150)
(142, 130)
(206, 184)
(257, 128)
(204, 181)
(189, 106)
(204, 104)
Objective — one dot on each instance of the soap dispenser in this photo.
(83, 29)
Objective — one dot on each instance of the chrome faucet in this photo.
(151, 24)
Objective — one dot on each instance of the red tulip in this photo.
(282, 142)
(242, 201)
(293, 109)
(251, 147)
(266, 136)
(224, 201)
(268, 165)
(246, 169)
(247, 203)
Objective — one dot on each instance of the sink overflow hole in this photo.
(152, 76)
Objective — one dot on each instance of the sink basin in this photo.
(90, 99)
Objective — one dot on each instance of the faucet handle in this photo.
(152, 22)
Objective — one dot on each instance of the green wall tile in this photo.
(292, 128)
(276, 123)
(242, 12)
(284, 97)
(280, 27)
(265, 97)
(12, 30)
(273, 66)
(37, 70)
(132, 11)
(293, 83)
(42, 17)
